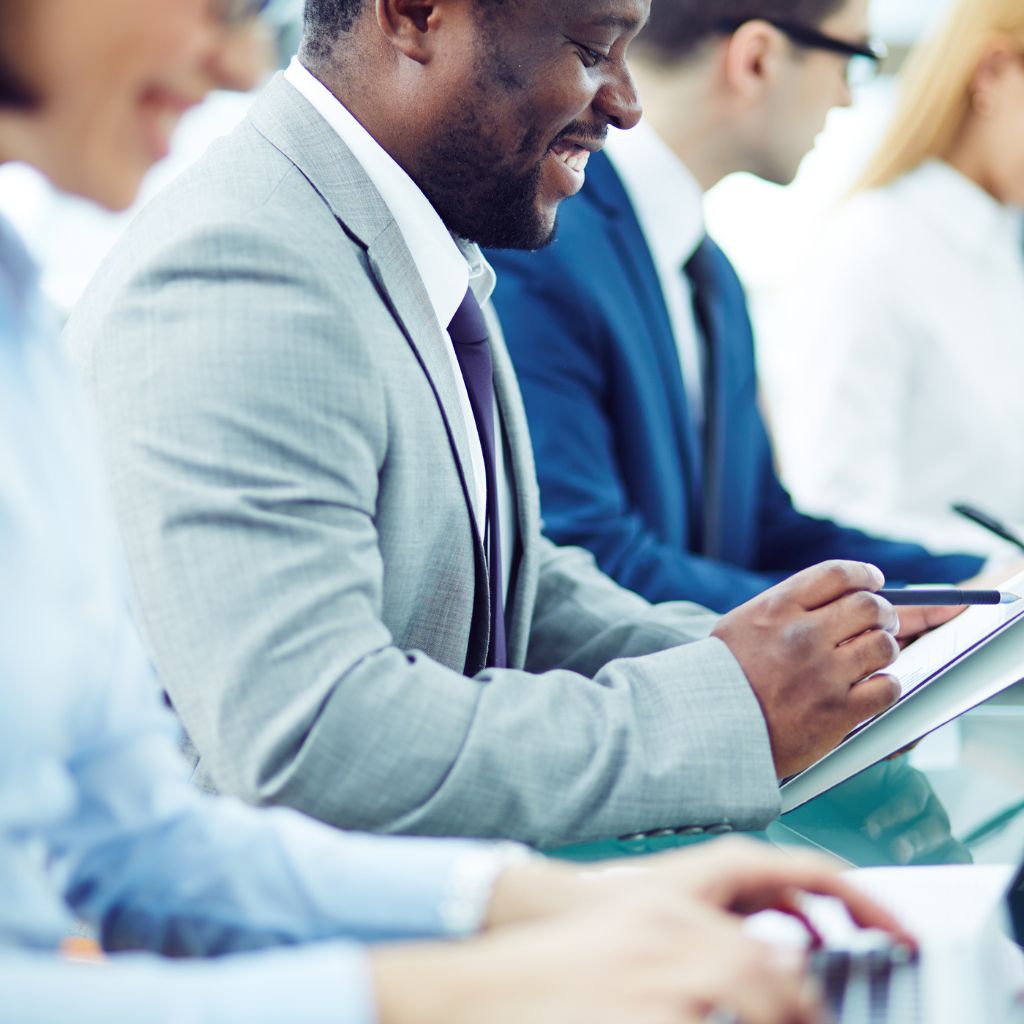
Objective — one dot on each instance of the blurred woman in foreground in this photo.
(97, 820)
(907, 333)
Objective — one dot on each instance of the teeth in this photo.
(576, 159)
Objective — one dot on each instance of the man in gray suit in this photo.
(322, 471)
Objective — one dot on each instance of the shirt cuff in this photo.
(468, 896)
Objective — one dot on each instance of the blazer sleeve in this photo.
(246, 487)
(562, 356)
(791, 540)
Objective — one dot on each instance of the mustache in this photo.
(580, 130)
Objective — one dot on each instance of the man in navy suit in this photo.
(631, 335)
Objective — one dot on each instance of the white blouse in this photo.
(894, 366)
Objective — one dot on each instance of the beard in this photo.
(481, 189)
(481, 193)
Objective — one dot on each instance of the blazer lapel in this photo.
(293, 127)
(523, 481)
(402, 290)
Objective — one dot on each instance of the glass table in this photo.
(957, 798)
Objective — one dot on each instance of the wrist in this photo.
(466, 907)
(434, 984)
(532, 890)
(412, 984)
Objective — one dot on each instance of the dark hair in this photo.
(324, 21)
(678, 27)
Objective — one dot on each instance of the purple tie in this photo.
(468, 331)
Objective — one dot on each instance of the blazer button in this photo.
(661, 833)
(720, 829)
(690, 830)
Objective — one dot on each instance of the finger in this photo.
(790, 906)
(774, 988)
(917, 620)
(914, 796)
(903, 751)
(864, 656)
(822, 584)
(854, 614)
(871, 697)
(741, 876)
(864, 910)
(760, 877)
(812, 1005)
(919, 841)
(867, 913)
(754, 877)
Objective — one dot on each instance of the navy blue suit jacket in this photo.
(590, 336)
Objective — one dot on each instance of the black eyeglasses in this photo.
(864, 60)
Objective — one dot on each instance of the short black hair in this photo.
(325, 21)
(679, 27)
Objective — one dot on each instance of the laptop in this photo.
(969, 969)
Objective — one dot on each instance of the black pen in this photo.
(990, 523)
(946, 596)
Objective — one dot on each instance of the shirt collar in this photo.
(447, 266)
(666, 197)
(969, 216)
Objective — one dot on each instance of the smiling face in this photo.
(112, 78)
(528, 93)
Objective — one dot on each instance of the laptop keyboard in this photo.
(876, 986)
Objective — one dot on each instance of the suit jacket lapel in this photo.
(402, 290)
(523, 480)
(293, 127)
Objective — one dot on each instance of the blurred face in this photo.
(995, 133)
(111, 79)
(810, 83)
(530, 91)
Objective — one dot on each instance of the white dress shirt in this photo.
(447, 270)
(895, 364)
(669, 206)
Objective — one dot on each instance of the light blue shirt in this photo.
(97, 819)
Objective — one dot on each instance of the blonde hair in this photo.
(935, 94)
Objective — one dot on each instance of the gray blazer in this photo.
(286, 455)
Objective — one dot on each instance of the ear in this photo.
(998, 60)
(752, 56)
(409, 25)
